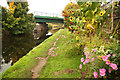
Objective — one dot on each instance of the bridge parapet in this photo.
(37, 13)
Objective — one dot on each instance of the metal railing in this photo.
(47, 14)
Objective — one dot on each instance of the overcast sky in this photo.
(49, 6)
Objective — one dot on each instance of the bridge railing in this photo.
(47, 14)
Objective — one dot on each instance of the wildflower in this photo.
(68, 27)
(94, 45)
(111, 37)
(72, 12)
(90, 26)
(71, 18)
(87, 4)
(84, 62)
(93, 54)
(114, 15)
(110, 70)
(75, 28)
(77, 37)
(65, 19)
(102, 70)
(57, 47)
(105, 58)
(98, 57)
(102, 13)
(80, 66)
(87, 60)
(70, 23)
(93, 63)
(93, 59)
(94, 50)
(78, 32)
(102, 74)
(53, 55)
(83, 19)
(114, 55)
(108, 55)
(85, 53)
(108, 62)
(114, 66)
(95, 74)
(82, 59)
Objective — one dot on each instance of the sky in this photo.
(49, 6)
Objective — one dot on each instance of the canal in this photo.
(15, 47)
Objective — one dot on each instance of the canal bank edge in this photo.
(29, 61)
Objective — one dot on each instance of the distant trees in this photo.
(16, 19)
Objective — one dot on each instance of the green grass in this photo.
(67, 59)
(65, 64)
(22, 69)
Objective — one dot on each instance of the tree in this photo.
(16, 20)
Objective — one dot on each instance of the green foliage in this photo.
(19, 21)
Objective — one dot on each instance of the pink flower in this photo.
(85, 53)
(114, 66)
(80, 66)
(94, 50)
(105, 58)
(108, 55)
(84, 62)
(87, 60)
(95, 74)
(114, 55)
(98, 57)
(94, 45)
(53, 55)
(102, 70)
(93, 63)
(107, 62)
(56, 54)
(114, 15)
(102, 74)
(93, 54)
(82, 59)
(93, 59)
(110, 70)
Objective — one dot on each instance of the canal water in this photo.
(15, 47)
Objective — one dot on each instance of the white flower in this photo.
(111, 37)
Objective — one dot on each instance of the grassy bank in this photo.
(66, 63)
(63, 62)
(22, 69)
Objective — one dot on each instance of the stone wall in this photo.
(40, 30)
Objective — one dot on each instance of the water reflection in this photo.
(15, 47)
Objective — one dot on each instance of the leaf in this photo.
(89, 14)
